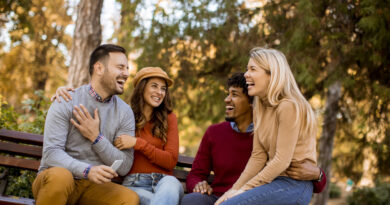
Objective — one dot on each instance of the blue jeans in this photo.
(155, 188)
(282, 190)
(197, 198)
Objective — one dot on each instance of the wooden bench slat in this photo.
(20, 163)
(21, 149)
(181, 175)
(35, 139)
(15, 200)
(185, 161)
(22, 137)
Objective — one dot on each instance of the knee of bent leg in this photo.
(192, 198)
(59, 176)
(171, 184)
(128, 197)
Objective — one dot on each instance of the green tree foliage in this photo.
(199, 43)
(35, 60)
(348, 42)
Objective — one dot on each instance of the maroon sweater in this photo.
(225, 152)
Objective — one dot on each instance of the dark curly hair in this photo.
(238, 80)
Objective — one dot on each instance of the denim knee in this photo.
(169, 190)
(171, 182)
(198, 199)
(145, 196)
(283, 190)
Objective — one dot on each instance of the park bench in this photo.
(14, 145)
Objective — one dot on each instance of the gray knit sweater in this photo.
(64, 146)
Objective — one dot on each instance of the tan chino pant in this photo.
(56, 185)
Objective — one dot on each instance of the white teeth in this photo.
(156, 98)
(228, 107)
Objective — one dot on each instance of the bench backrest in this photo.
(14, 145)
(20, 144)
(29, 145)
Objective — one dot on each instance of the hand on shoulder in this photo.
(63, 92)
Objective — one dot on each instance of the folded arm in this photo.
(168, 156)
(55, 137)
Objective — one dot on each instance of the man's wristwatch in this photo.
(320, 177)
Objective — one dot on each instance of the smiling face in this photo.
(115, 73)
(154, 92)
(237, 105)
(257, 79)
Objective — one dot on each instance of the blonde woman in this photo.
(284, 132)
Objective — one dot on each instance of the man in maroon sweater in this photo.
(226, 148)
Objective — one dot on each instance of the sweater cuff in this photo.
(86, 171)
(78, 169)
(101, 146)
(98, 138)
(319, 186)
(140, 143)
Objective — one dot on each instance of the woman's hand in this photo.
(229, 194)
(125, 142)
(63, 92)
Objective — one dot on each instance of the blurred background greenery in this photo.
(338, 50)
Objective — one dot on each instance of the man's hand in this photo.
(101, 174)
(89, 126)
(125, 142)
(203, 187)
(303, 170)
(63, 92)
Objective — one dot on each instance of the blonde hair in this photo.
(282, 87)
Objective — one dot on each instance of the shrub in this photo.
(378, 195)
(335, 191)
(8, 116)
(32, 120)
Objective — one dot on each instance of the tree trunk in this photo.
(327, 137)
(87, 36)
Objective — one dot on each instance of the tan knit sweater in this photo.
(277, 145)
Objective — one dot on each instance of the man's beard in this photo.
(229, 119)
(110, 86)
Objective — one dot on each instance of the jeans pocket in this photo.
(143, 182)
(128, 181)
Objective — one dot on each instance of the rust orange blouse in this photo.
(151, 155)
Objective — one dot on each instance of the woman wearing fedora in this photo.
(156, 145)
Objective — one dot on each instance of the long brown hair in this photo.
(159, 115)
